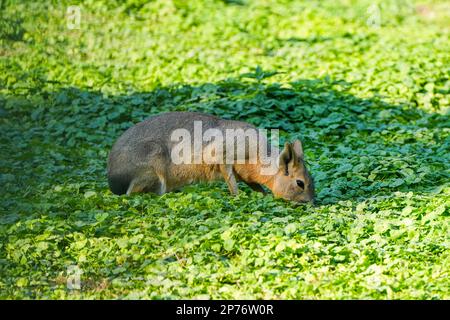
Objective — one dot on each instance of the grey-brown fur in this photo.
(140, 161)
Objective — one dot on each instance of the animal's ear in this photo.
(286, 156)
(298, 148)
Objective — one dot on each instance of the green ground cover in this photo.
(367, 93)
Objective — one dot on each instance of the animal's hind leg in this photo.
(135, 186)
(159, 166)
(154, 182)
(162, 184)
(145, 183)
(150, 159)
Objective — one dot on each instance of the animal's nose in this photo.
(307, 200)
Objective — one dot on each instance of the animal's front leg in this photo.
(230, 178)
(256, 187)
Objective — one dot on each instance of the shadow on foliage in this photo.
(356, 148)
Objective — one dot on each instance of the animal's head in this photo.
(293, 181)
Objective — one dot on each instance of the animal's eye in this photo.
(301, 184)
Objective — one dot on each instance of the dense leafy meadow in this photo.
(367, 91)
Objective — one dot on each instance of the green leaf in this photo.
(89, 194)
(429, 216)
(397, 182)
(290, 228)
(228, 244)
(22, 282)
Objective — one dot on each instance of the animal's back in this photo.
(159, 127)
(150, 140)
